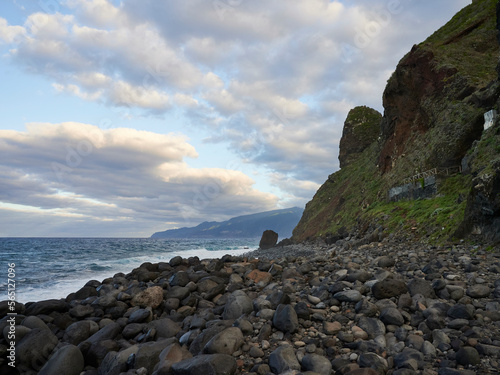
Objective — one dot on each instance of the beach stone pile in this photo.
(375, 309)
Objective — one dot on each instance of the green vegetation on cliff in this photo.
(434, 105)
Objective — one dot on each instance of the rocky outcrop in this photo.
(269, 239)
(361, 129)
(434, 107)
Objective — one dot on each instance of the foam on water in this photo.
(54, 268)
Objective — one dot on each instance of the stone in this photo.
(391, 316)
(151, 297)
(259, 277)
(269, 239)
(206, 335)
(34, 349)
(453, 371)
(225, 342)
(363, 371)
(173, 353)
(468, 356)
(47, 307)
(460, 311)
(256, 352)
(388, 288)
(285, 319)
(180, 278)
(132, 330)
(386, 261)
(374, 361)
(206, 364)
(331, 328)
(148, 354)
(139, 316)
(81, 311)
(115, 363)
(68, 360)
(80, 331)
(302, 310)
(283, 359)
(348, 296)
(421, 286)
(178, 292)
(407, 358)
(165, 328)
(237, 305)
(478, 291)
(372, 326)
(366, 308)
(317, 363)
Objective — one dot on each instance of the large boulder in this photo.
(206, 364)
(68, 361)
(269, 239)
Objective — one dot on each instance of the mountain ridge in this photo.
(246, 226)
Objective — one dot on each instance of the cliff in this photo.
(247, 226)
(434, 106)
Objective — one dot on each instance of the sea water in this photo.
(48, 268)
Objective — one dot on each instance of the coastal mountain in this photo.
(429, 167)
(247, 226)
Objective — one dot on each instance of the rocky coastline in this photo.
(380, 308)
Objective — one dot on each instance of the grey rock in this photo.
(139, 316)
(201, 340)
(80, 331)
(428, 349)
(148, 354)
(366, 308)
(179, 292)
(81, 311)
(478, 291)
(373, 327)
(404, 359)
(34, 322)
(237, 305)
(421, 286)
(115, 363)
(68, 360)
(165, 328)
(180, 278)
(173, 353)
(374, 361)
(317, 363)
(391, 316)
(385, 261)
(460, 311)
(468, 356)
(47, 307)
(388, 288)
(489, 350)
(225, 342)
(348, 296)
(34, 349)
(453, 371)
(285, 319)
(206, 364)
(132, 330)
(283, 359)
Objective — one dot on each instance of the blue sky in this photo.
(122, 118)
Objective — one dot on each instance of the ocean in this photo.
(48, 268)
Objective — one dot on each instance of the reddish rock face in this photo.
(415, 81)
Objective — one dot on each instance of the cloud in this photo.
(78, 172)
(270, 81)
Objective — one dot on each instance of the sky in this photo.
(120, 118)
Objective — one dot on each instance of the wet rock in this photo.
(238, 304)
(34, 349)
(165, 328)
(207, 364)
(468, 356)
(68, 360)
(478, 291)
(388, 288)
(391, 316)
(348, 296)
(374, 361)
(148, 354)
(225, 342)
(283, 359)
(317, 364)
(285, 319)
(460, 311)
(115, 363)
(46, 307)
(373, 327)
(80, 331)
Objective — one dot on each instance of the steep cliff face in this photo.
(434, 107)
(361, 129)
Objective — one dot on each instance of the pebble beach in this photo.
(381, 308)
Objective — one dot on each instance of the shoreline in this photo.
(388, 307)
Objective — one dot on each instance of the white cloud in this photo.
(9, 34)
(125, 94)
(78, 171)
